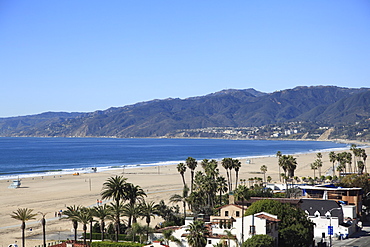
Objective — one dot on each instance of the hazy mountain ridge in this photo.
(226, 108)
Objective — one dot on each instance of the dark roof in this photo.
(322, 206)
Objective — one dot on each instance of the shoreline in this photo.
(86, 170)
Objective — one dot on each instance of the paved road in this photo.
(361, 238)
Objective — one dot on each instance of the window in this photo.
(226, 213)
(237, 214)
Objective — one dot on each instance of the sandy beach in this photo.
(50, 194)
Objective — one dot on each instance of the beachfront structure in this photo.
(346, 196)
(326, 213)
(232, 231)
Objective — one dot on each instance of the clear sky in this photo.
(79, 56)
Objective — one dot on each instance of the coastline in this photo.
(49, 194)
(57, 171)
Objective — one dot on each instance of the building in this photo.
(234, 231)
(345, 196)
(326, 213)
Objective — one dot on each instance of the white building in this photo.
(240, 228)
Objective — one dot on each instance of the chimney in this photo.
(231, 198)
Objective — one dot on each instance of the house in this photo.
(234, 231)
(229, 211)
(326, 213)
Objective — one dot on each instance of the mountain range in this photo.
(330, 105)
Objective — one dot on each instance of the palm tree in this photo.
(264, 170)
(318, 163)
(361, 166)
(102, 212)
(197, 234)
(333, 159)
(132, 212)
(181, 168)
(84, 216)
(278, 154)
(167, 235)
(148, 210)
(313, 167)
(181, 198)
(229, 236)
(227, 164)
(23, 214)
(117, 209)
(364, 157)
(133, 193)
(236, 165)
(192, 164)
(114, 188)
(43, 223)
(71, 214)
(221, 186)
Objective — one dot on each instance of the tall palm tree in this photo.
(197, 234)
(355, 151)
(71, 214)
(192, 164)
(117, 209)
(236, 165)
(181, 168)
(278, 154)
(181, 198)
(264, 170)
(132, 212)
(318, 163)
(102, 212)
(221, 186)
(115, 188)
(134, 194)
(43, 223)
(148, 211)
(364, 157)
(313, 167)
(23, 214)
(84, 216)
(333, 159)
(227, 164)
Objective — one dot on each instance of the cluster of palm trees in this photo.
(344, 160)
(202, 194)
(288, 163)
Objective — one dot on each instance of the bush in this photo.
(259, 241)
(114, 244)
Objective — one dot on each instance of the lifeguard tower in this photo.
(15, 184)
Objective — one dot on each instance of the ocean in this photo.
(23, 157)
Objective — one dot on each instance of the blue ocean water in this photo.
(41, 156)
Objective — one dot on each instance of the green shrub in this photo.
(114, 244)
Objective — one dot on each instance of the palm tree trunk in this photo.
(43, 222)
(85, 229)
(102, 226)
(91, 231)
(23, 227)
(75, 225)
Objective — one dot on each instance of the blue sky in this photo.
(92, 55)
